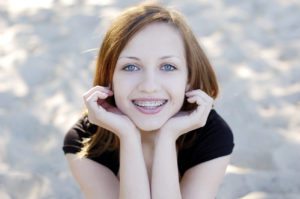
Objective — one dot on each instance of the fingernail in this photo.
(104, 94)
(109, 91)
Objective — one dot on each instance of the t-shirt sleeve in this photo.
(73, 144)
(213, 140)
(75, 135)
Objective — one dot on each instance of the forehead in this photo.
(156, 38)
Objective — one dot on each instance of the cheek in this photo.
(182, 88)
(180, 97)
(178, 92)
(178, 85)
(117, 91)
(122, 90)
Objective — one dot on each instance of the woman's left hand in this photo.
(184, 122)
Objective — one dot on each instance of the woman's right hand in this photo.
(104, 115)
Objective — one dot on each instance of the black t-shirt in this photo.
(213, 140)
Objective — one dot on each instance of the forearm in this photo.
(134, 181)
(165, 179)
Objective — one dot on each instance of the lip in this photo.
(150, 111)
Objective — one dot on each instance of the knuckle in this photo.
(84, 97)
(98, 87)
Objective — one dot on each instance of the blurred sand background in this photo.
(47, 51)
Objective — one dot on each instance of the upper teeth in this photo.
(149, 103)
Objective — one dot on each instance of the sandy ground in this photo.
(47, 51)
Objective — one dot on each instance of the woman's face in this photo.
(150, 76)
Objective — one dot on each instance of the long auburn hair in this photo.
(125, 26)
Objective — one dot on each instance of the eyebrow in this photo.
(163, 57)
(129, 57)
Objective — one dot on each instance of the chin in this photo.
(149, 125)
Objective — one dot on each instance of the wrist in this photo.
(130, 135)
(165, 136)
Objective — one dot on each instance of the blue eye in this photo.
(130, 67)
(168, 67)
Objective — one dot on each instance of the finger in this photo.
(196, 91)
(200, 115)
(100, 89)
(99, 114)
(93, 100)
(201, 94)
(97, 88)
(197, 99)
(96, 96)
(201, 103)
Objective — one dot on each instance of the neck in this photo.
(148, 137)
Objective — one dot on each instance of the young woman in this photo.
(150, 130)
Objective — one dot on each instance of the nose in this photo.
(149, 83)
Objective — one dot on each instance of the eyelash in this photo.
(173, 67)
(129, 65)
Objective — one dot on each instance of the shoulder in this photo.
(73, 143)
(215, 130)
(80, 130)
(216, 126)
(213, 140)
(216, 133)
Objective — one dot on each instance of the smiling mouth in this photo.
(152, 104)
